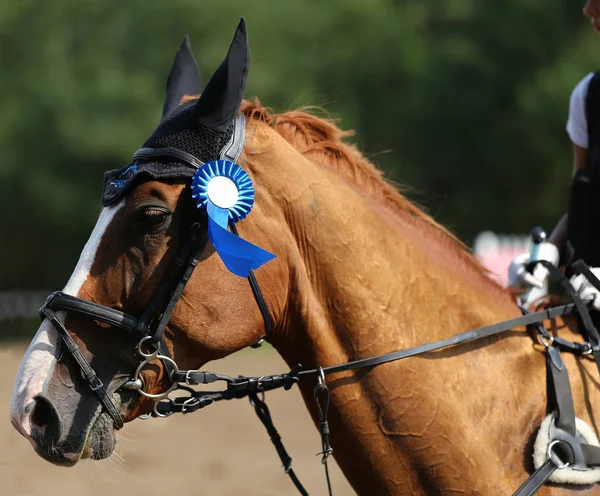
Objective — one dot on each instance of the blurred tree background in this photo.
(464, 101)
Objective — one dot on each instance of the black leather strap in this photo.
(62, 301)
(465, 337)
(88, 372)
(243, 386)
(591, 454)
(537, 479)
(560, 389)
(262, 412)
(164, 292)
(188, 262)
(590, 331)
(260, 299)
(195, 377)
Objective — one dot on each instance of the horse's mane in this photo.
(321, 141)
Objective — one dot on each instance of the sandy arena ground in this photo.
(221, 450)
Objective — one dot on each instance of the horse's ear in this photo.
(221, 99)
(184, 78)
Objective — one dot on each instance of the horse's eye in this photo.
(154, 218)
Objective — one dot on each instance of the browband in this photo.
(231, 151)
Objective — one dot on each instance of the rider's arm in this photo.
(578, 133)
(559, 233)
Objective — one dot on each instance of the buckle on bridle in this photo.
(95, 383)
(188, 377)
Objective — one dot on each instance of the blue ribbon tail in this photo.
(238, 255)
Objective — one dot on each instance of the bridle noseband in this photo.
(149, 328)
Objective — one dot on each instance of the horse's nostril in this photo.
(44, 418)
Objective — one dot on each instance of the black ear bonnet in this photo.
(201, 128)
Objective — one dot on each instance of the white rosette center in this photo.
(222, 191)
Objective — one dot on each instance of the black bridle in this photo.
(150, 326)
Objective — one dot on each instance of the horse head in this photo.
(149, 232)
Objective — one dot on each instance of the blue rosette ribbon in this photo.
(224, 191)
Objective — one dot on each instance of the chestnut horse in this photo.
(359, 271)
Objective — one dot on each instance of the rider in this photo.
(577, 234)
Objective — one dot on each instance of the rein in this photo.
(564, 450)
(241, 387)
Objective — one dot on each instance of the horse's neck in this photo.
(372, 281)
(364, 282)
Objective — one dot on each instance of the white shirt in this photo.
(577, 122)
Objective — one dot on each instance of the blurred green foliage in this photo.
(468, 100)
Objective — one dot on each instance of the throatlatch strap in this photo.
(258, 296)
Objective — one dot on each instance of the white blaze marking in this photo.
(40, 358)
